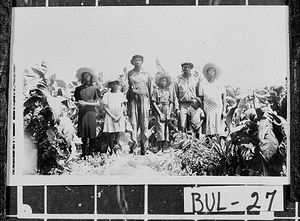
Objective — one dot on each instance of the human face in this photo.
(211, 73)
(138, 62)
(186, 69)
(86, 77)
(114, 86)
(163, 82)
(195, 104)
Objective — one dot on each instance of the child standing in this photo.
(196, 115)
(162, 100)
(114, 106)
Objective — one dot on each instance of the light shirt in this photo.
(140, 82)
(197, 116)
(185, 89)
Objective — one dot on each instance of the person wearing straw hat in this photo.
(162, 99)
(213, 94)
(138, 96)
(87, 98)
(114, 106)
(185, 90)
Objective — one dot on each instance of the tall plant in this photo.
(41, 110)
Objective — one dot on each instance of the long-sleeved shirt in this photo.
(185, 89)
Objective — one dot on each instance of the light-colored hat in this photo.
(160, 75)
(136, 56)
(187, 63)
(211, 65)
(80, 71)
(112, 78)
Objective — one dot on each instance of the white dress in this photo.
(114, 104)
(212, 99)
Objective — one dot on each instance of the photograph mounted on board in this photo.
(150, 94)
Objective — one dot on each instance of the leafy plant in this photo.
(41, 111)
(255, 145)
(196, 157)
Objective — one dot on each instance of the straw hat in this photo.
(112, 78)
(80, 71)
(160, 75)
(212, 65)
(187, 63)
(136, 56)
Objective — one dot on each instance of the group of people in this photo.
(199, 105)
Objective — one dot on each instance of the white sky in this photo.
(249, 44)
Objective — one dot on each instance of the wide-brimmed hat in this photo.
(136, 56)
(211, 65)
(187, 63)
(80, 71)
(112, 78)
(160, 75)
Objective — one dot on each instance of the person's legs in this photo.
(83, 147)
(165, 145)
(117, 138)
(159, 127)
(160, 147)
(134, 119)
(134, 124)
(117, 141)
(87, 129)
(198, 132)
(111, 142)
(183, 117)
(133, 145)
(143, 115)
(92, 142)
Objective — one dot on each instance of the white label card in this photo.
(233, 198)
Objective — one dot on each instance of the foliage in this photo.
(40, 115)
(195, 156)
(50, 145)
(256, 144)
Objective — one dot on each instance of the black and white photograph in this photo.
(150, 95)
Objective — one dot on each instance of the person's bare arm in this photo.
(84, 103)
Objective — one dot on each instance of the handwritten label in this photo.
(233, 198)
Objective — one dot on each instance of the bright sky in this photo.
(249, 44)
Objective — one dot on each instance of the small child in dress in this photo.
(196, 115)
(161, 100)
(114, 106)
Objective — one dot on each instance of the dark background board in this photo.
(163, 199)
(5, 30)
(294, 91)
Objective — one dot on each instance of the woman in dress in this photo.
(162, 100)
(86, 99)
(114, 106)
(213, 95)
